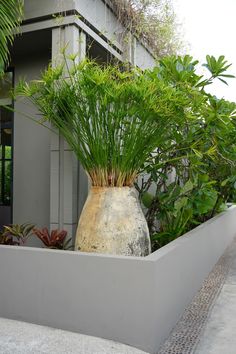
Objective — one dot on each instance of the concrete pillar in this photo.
(68, 181)
(129, 48)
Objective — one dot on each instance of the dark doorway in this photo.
(6, 153)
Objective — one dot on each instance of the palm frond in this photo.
(11, 13)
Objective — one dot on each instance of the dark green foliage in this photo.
(193, 173)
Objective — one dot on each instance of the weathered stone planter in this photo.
(112, 222)
(134, 300)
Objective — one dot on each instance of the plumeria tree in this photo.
(192, 174)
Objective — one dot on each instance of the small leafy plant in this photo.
(56, 239)
(16, 234)
(7, 239)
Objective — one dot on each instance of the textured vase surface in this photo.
(112, 222)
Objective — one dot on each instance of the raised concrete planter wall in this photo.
(136, 301)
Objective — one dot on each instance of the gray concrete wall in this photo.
(143, 58)
(101, 21)
(94, 11)
(136, 301)
(31, 164)
(36, 8)
(102, 18)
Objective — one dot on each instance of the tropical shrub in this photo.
(192, 174)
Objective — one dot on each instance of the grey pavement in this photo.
(24, 338)
(219, 334)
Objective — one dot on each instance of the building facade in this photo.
(41, 180)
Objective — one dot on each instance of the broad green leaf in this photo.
(147, 199)
(180, 203)
(187, 187)
(223, 183)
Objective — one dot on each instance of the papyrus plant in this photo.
(111, 119)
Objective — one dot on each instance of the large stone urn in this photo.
(112, 222)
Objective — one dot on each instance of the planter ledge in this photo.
(136, 301)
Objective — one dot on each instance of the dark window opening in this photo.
(6, 128)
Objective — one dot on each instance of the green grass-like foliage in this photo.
(11, 13)
(112, 119)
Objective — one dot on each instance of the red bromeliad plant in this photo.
(55, 239)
